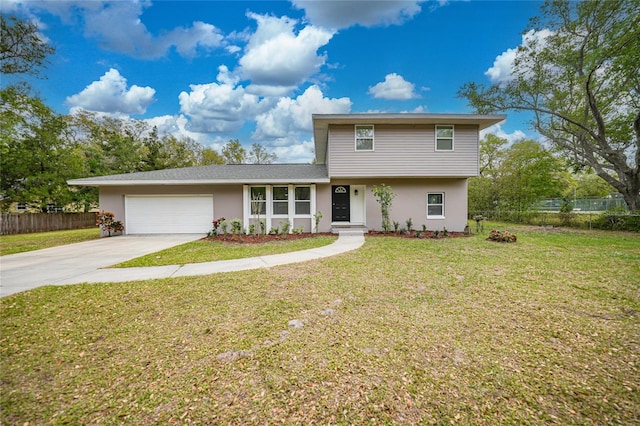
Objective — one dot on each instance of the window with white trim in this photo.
(444, 138)
(280, 196)
(258, 200)
(303, 199)
(364, 137)
(435, 205)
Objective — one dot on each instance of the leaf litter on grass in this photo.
(528, 335)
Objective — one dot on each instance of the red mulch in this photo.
(256, 239)
(414, 234)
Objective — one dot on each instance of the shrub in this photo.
(106, 221)
(215, 225)
(502, 236)
(409, 224)
(285, 225)
(236, 226)
(273, 231)
(384, 196)
(224, 225)
(317, 217)
(252, 229)
(396, 226)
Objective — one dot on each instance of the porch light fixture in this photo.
(355, 192)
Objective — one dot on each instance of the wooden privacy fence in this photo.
(24, 223)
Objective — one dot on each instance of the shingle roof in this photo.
(216, 174)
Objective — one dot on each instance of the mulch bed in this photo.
(257, 239)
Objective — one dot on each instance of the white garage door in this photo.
(170, 214)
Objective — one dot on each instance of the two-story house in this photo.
(426, 159)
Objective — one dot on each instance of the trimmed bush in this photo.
(502, 236)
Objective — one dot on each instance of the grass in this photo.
(209, 251)
(460, 331)
(11, 244)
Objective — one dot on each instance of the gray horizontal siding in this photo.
(403, 150)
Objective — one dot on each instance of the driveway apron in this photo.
(60, 265)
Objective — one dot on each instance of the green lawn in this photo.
(401, 331)
(209, 251)
(11, 244)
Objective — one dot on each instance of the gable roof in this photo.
(216, 174)
(321, 123)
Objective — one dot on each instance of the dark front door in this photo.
(340, 200)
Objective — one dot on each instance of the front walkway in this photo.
(346, 241)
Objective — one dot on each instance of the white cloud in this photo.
(276, 59)
(176, 125)
(394, 87)
(502, 70)
(298, 152)
(220, 107)
(343, 14)
(496, 129)
(291, 117)
(110, 95)
(118, 26)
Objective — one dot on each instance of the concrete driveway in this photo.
(64, 264)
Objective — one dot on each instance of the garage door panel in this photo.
(169, 214)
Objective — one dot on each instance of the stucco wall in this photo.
(410, 202)
(227, 199)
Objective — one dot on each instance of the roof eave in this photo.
(166, 182)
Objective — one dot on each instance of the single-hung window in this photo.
(364, 138)
(435, 205)
(258, 200)
(280, 200)
(444, 138)
(303, 200)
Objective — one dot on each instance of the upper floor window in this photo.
(435, 205)
(444, 138)
(364, 138)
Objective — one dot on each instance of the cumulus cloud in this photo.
(276, 59)
(343, 14)
(222, 106)
(299, 152)
(496, 129)
(110, 95)
(293, 116)
(394, 87)
(118, 26)
(502, 70)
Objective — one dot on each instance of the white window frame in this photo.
(356, 138)
(296, 201)
(247, 214)
(440, 216)
(285, 201)
(452, 138)
(264, 201)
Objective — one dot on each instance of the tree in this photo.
(582, 84)
(22, 50)
(260, 155)
(37, 157)
(233, 152)
(384, 196)
(515, 177)
(210, 156)
(529, 172)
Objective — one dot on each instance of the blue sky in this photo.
(256, 71)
